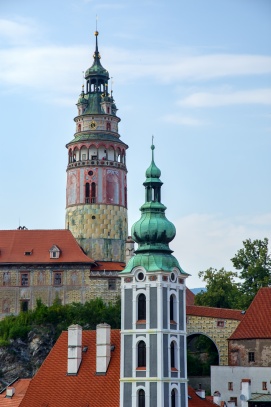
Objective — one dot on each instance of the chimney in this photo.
(217, 398)
(129, 249)
(245, 392)
(103, 348)
(74, 349)
(10, 392)
(230, 403)
(200, 393)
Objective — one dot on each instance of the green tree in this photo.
(221, 289)
(254, 264)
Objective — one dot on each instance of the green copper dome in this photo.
(153, 231)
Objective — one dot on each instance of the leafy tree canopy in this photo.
(254, 264)
(221, 289)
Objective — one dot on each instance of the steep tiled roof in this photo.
(14, 244)
(195, 401)
(256, 323)
(52, 387)
(190, 296)
(20, 387)
(222, 313)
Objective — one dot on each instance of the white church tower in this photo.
(153, 331)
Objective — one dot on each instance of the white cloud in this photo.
(17, 32)
(205, 99)
(182, 120)
(205, 240)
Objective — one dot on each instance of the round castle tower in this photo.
(96, 195)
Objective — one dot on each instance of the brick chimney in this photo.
(74, 349)
(103, 348)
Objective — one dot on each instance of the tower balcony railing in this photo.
(102, 163)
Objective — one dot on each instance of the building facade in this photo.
(153, 331)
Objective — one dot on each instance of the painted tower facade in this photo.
(153, 332)
(96, 195)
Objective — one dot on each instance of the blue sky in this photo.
(195, 74)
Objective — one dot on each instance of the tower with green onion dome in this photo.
(96, 195)
(153, 332)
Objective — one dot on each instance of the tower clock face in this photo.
(93, 125)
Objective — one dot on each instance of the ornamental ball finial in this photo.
(96, 33)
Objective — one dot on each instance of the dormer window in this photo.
(54, 252)
(28, 253)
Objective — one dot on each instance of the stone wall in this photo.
(239, 351)
(76, 285)
(218, 330)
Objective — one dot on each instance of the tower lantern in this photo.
(96, 195)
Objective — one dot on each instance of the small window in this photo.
(173, 355)
(54, 252)
(141, 307)
(172, 309)
(141, 398)
(24, 306)
(220, 324)
(57, 278)
(141, 354)
(230, 385)
(234, 399)
(251, 357)
(24, 279)
(264, 385)
(27, 253)
(112, 286)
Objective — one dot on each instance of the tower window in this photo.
(24, 305)
(87, 193)
(141, 354)
(108, 126)
(173, 355)
(172, 309)
(173, 398)
(93, 192)
(141, 307)
(141, 398)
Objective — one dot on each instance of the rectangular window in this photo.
(24, 306)
(57, 278)
(112, 284)
(221, 324)
(230, 385)
(251, 357)
(264, 387)
(234, 399)
(25, 279)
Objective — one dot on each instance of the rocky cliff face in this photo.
(23, 358)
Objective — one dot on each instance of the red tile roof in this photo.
(14, 244)
(190, 297)
(107, 266)
(20, 387)
(195, 401)
(52, 387)
(256, 323)
(223, 313)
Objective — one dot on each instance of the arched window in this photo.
(172, 309)
(141, 315)
(141, 398)
(93, 192)
(173, 355)
(141, 354)
(108, 126)
(79, 127)
(173, 398)
(87, 193)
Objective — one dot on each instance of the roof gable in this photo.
(256, 323)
